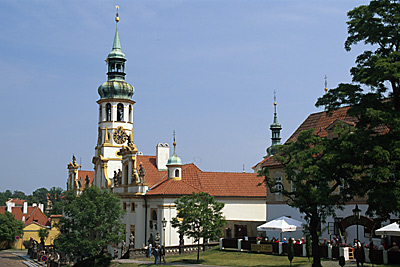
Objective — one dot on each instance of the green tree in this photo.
(315, 174)
(19, 194)
(375, 102)
(91, 222)
(9, 228)
(199, 217)
(4, 196)
(40, 196)
(43, 234)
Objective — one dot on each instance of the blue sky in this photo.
(205, 68)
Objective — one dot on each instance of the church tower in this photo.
(174, 165)
(115, 117)
(276, 132)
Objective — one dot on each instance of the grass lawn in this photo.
(232, 258)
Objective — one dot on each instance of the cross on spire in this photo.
(116, 15)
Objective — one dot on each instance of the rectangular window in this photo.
(292, 186)
(124, 205)
(133, 207)
(279, 185)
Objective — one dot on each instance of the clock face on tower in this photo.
(120, 136)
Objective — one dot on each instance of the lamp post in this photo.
(357, 215)
(164, 224)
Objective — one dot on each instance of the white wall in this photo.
(244, 209)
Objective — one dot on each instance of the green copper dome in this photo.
(174, 160)
(116, 89)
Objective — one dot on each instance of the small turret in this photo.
(174, 165)
(276, 132)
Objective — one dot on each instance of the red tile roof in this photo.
(82, 177)
(17, 201)
(34, 214)
(320, 121)
(152, 175)
(270, 162)
(225, 184)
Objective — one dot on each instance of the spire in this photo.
(174, 145)
(116, 52)
(326, 85)
(116, 87)
(326, 91)
(174, 160)
(116, 44)
(275, 130)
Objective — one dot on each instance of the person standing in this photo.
(162, 254)
(150, 245)
(156, 253)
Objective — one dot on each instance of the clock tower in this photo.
(115, 117)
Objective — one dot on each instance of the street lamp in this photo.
(357, 215)
(164, 224)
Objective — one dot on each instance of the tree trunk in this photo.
(315, 241)
(396, 94)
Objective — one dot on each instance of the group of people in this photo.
(158, 252)
(298, 241)
(284, 240)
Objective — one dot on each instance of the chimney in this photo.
(162, 155)
(34, 205)
(25, 209)
(41, 207)
(10, 206)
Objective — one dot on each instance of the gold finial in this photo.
(326, 84)
(116, 16)
(274, 98)
(174, 139)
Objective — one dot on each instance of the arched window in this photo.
(130, 113)
(120, 112)
(108, 112)
(177, 173)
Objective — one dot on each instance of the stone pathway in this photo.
(324, 263)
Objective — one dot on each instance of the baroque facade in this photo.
(149, 185)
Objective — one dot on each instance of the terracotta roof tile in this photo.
(152, 175)
(34, 214)
(214, 183)
(321, 120)
(270, 162)
(82, 177)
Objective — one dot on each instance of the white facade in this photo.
(106, 159)
(136, 220)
